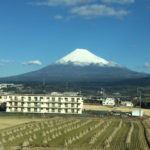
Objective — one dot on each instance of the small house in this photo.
(109, 102)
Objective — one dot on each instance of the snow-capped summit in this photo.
(83, 57)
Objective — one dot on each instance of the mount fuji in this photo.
(83, 57)
(78, 66)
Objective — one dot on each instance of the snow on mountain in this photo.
(83, 57)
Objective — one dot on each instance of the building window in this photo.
(22, 109)
(53, 99)
(66, 105)
(59, 105)
(59, 110)
(59, 99)
(16, 98)
(10, 103)
(72, 105)
(35, 104)
(28, 104)
(72, 110)
(35, 98)
(22, 104)
(66, 99)
(53, 110)
(41, 98)
(72, 99)
(15, 109)
(66, 110)
(53, 104)
(29, 109)
(16, 103)
(35, 109)
(29, 98)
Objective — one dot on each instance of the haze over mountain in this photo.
(78, 66)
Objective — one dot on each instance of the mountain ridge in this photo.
(83, 69)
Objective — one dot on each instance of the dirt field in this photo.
(6, 122)
(123, 109)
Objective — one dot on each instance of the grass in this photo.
(39, 133)
(7, 122)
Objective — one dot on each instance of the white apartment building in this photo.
(109, 102)
(3, 99)
(62, 104)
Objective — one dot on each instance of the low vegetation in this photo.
(75, 133)
(146, 124)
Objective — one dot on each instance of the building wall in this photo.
(127, 104)
(109, 102)
(44, 104)
(3, 99)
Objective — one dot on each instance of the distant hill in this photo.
(134, 82)
(79, 66)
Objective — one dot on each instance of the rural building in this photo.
(127, 103)
(109, 102)
(61, 103)
(10, 85)
(137, 113)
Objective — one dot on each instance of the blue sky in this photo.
(35, 33)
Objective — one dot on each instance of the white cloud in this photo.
(87, 8)
(62, 2)
(147, 65)
(5, 61)
(119, 1)
(95, 10)
(33, 62)
(58, 17)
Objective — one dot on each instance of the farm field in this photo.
(9, 121)
(107, 108)
(146, 124)
(76, 134)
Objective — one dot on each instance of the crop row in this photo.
(71, 133)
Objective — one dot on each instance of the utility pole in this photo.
(66, 86)
(80, 92)
(104, 94)
(140, 98)
(43, 87)
(43, 81)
